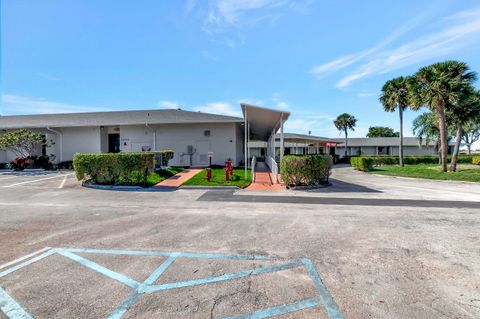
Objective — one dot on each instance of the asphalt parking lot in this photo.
(367, 247)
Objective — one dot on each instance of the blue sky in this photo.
(316, 59)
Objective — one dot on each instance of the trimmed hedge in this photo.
(380, 160)
(476, 160)
(364, 164)
(114, 168)
(306, 170)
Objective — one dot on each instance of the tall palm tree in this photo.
(435, 86)
(343, 123)
(459, 114)
(395, 96)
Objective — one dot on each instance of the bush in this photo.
(3, 165)
(21, 163)
(65, 165)
(114, 169)
(380, 160)
(476, 160)
(306, 170)
(364, 164)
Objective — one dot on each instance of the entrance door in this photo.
(113, 143)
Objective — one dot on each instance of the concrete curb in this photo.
(128, 188)
(208, 187)
(301, 188)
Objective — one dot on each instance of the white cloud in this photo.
(233, 11)
(278, 102)
(219, 108)
(347, 60)
(48, 76)
(366, 94)
(17, 104)
(459, 31)
(169, 104)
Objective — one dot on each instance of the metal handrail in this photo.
(272, 164)
(254, 163)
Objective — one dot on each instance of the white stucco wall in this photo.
(78, 140)
(222, 142)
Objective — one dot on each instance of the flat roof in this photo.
(263, 120)
(383, 141)
(113, 118)
(302, 138)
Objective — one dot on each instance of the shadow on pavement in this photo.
(339, 186)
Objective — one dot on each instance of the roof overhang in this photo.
(263, 120)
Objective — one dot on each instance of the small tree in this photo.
(471, 132)
(21, 142)
(343, 123)
(382, 131)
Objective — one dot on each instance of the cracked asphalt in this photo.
(377, 257)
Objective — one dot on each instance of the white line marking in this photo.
(28, 262)
(13, 262)
(63, 181)
(37, 180)
(11, 308)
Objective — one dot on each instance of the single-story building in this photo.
(193, 136)
(298, 144)
(386, 146)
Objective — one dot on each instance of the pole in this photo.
(282, 145)
(246, 146)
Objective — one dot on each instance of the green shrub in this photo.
(361, 163)
(306, 170)
(114, 169)
(476, 160)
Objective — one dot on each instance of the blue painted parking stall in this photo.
(322, 298)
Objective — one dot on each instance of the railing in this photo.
(272, 164)
(254, 163)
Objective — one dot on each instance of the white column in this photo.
(246, 145)
(282, 145)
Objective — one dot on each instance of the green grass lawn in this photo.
(158, 176)
(218, 178)
(465, 172)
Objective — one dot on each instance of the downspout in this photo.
(154, 136)
(59, 134)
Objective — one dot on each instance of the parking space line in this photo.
(28, 262)
(11, 308)
(210, 280)
(13, 262)
(98, 268)
(132, 298)
(323, 297)
(324, 294)
(279, 310)
(34, 181)
(63, 182)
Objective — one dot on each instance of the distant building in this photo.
(386, 146)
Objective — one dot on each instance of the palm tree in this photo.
(343, 123)
(425, 127)
(460, 114)
(434, 87)
(395, 96)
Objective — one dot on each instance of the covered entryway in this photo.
(261, 124)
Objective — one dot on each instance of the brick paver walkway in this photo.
(178, 179)
(264, 179)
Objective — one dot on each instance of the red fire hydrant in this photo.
(228, 169)
(208, 175)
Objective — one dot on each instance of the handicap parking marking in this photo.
(323, 298)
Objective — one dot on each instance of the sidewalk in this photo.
(178, 179)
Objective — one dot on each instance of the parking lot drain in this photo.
(13, 310)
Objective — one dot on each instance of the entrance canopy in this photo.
(262, 121)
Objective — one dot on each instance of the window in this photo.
(206, 133)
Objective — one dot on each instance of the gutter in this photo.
(59, 134)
